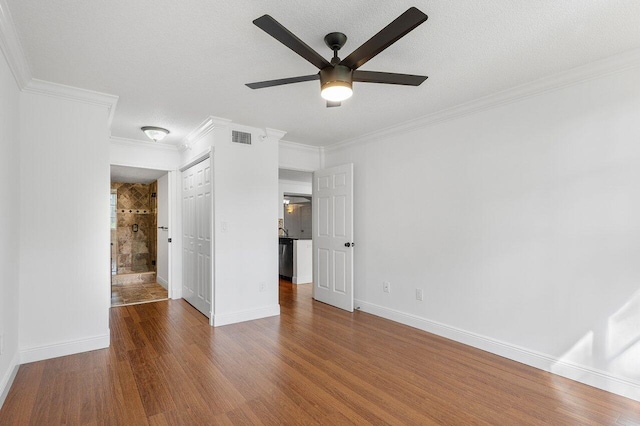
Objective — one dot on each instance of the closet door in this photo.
(196, 236)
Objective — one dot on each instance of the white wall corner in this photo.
(72, 347)
(247, 315)
(16, 59)
(607, 66)
(176, 291)
(202, 130)
(7, 379)
(164, 283)
(590, 376)
(12, 49)
(322, 157)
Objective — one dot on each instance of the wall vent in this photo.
(241, 137)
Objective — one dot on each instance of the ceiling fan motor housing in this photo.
(336, 75)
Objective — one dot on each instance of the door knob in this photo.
(347, 244)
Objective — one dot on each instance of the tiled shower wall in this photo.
(136, 205)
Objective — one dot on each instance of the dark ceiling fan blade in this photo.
(402, 25)
(286, 37)
(281, 81)
(388, 78)
(331, 104)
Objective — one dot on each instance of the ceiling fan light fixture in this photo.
(156, 134)
(337, 91)
(336, 83)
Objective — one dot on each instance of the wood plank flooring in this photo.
(312, 365)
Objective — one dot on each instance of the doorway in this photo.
(134, 203)
(295, 246)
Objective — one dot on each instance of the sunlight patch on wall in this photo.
(623, 352)
(613, 346)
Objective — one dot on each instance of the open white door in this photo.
(333, 236)
(196, 236)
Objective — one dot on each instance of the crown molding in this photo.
(573, 76)
(16, 59)
(12, 49)
(46, 88)
(142, 143)
(202, 130)
(274, 133)
(299, 146)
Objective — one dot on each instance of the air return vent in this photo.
(241, 137)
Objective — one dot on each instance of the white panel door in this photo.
(333, 236)
(196, 236)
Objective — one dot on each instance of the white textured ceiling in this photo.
(174, 63)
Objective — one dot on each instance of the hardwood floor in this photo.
(312, 365)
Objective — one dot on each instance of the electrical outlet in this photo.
(419, 294)
(386, 287)
(263, 286)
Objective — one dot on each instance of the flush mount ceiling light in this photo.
(155, 133)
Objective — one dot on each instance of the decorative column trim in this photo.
(202, 130)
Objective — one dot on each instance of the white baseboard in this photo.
(65, 348)
(248, 315)
(164, 283)
(583, 374)
(7, 379)
(176, 292)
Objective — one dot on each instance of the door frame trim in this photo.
(172, 219)
(208, 153)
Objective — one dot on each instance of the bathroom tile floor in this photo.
(131, 293)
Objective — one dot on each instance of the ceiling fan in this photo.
(336, 77)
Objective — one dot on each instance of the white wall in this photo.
(245, 179)
(64, 228)
(162, 258)
(521, 223)
(143, 154)
(302, 262)
(9, 225)
(296, 156)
